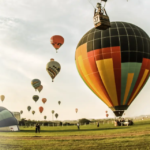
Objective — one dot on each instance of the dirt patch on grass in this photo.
(76, 137)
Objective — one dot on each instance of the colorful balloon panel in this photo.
(114, 63)
(57, 41)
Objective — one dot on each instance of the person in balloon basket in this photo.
(78, 125)
(36, 128)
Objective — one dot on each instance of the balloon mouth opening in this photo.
(118, 113)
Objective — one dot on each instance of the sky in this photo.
(25, 30)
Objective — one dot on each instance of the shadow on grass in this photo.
(81, 130)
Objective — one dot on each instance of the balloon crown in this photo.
(51, 59)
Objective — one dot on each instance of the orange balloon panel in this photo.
(57, 41)
(44, 100)
(41, 109)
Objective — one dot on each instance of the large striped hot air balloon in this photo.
(115, 63)
(57, 41)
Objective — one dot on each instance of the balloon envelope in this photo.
(53, 111)
(44, 100)
(114, 63)
(21, 112)
(76, 110)
(45, 117)
(33, 112)
(35, 98)
(40, 88)
(29, 108)
(56, 115)
(57, 41)
(107, 115)
(41, 109)
(2, 98)
(59, 102)
(35, 83)
(53, 68)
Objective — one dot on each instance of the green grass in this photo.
(106, 137)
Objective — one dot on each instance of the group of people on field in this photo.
(37, 128)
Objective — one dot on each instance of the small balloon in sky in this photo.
(53, 68)
(57, 41)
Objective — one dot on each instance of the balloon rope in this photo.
(91, 3)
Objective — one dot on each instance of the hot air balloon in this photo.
(53, 68)
(33, 112)
(21, 112)
(56, 115)
(57, 41)
(40, 88)
(2, 98)
(41, 109)
(52, 113)
(29, 108)
(44, 100)
(114, 63)
(35, 98)
(59, 102)
(45, 117)
(76, 110)
(107, 115)
(106, 112)
(36, 83)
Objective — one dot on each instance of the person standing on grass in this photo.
(39, 128)
(36, 128)
(98, 124)
(78, 125)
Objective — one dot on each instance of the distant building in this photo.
(17, 115)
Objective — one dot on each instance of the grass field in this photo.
(106, 137)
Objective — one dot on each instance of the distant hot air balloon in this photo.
(44, 100)
(107, 115)
(57, 41)
(59, 102)
(45, 117)
(40, 88)
(21, 112)
(35, 98)
(56, 115)
(41, 109)
(115, 63)
(29, 108)
(53, 113)
(106, 112)
(53, 68)
(2, 98)
(33, 112)
(76, 110)
(36, 83)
